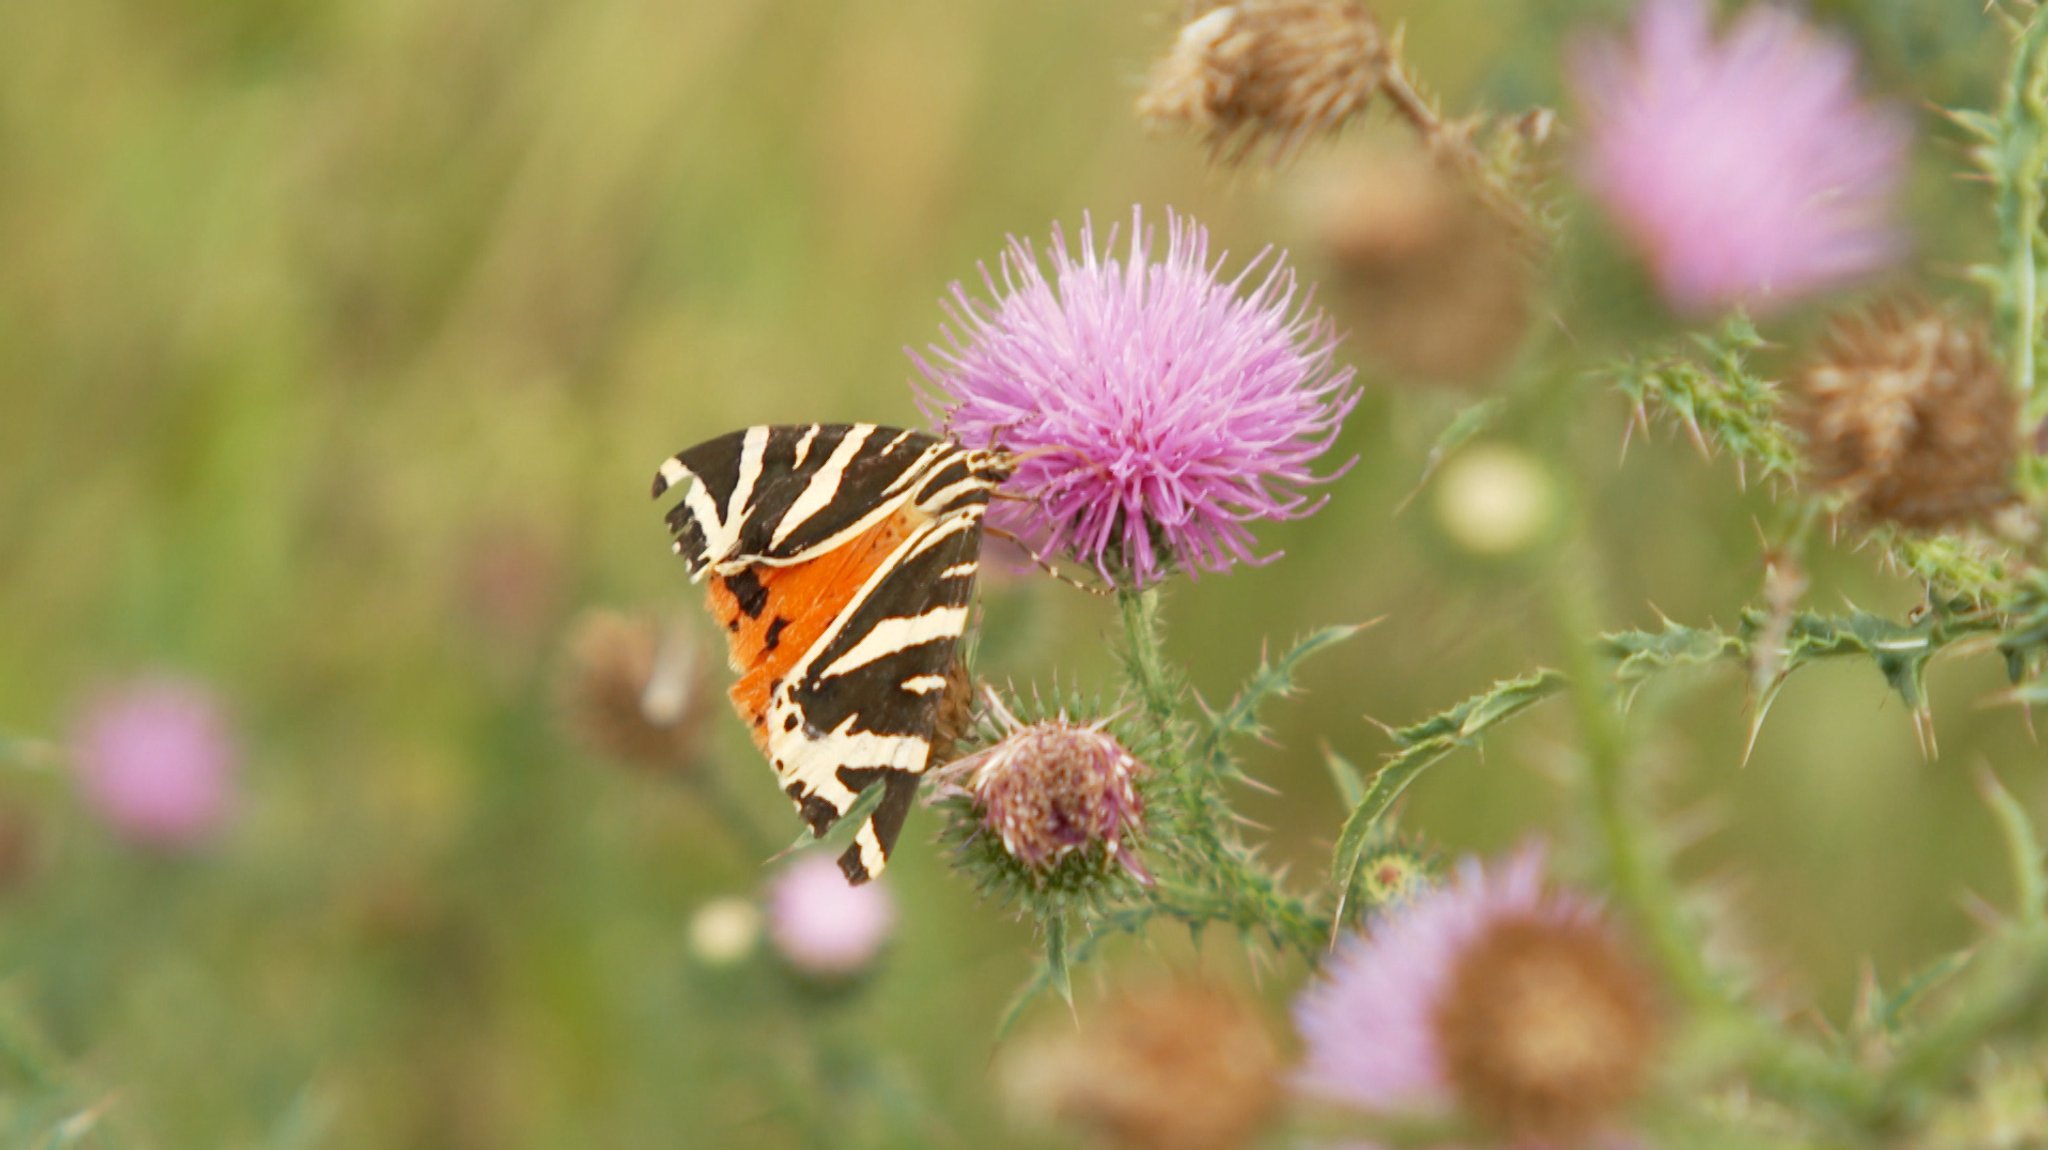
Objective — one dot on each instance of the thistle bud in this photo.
(1053, 787)
(1267, 70)
(1909, 416)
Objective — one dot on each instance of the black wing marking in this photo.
(861, 706)
(782, 494)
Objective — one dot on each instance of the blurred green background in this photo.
(338, 343)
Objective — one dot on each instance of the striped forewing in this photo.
(861, 705)
(783, 494)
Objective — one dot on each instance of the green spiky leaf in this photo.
(1421, 746)
(1349, 780)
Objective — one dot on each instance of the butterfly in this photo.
(840, 559)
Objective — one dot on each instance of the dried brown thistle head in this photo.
(634, 689)
(1184, 1065)
(1909, 416)
(1267, 72)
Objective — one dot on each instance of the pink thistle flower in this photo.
(156, 761)
(1490, 996)
(1158, 409)
(824, 927)
(1051, 788)
(1748, 169)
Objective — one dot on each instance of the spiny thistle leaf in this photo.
(1640, 655)
(1273, 680)
(1901, 651)
(1421, 746)
(1883, 1014)
(2023, 852)
(1711, 393)
(842, 832)
(1463, 426)
(1349, 780)
(1056, 958)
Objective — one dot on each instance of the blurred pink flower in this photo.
(156, 761)
(821, 925)
(1746, 169)
(1158, 408)
(1492, 996)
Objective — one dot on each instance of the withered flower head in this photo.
(632, 689)
(1261, 71)
(1053, 787)
(1184, 1065)
(1908, 414)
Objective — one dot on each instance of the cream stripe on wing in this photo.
(889, 636)
(752, 451)
(924, 684)
(947, 496)
(818, 493)
(672, 473)
(803, 445)
(934, 458)
(872, 857)
(719, 539)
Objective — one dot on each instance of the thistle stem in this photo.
(1639, 883)
(1228, 883)
(2020, 154)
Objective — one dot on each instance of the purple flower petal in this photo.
(1745, 171)
(1159, 409)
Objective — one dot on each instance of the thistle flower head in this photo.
(1157, 409)
(1180, 1066)
(632, 689)
(1745, 169)
(1909, 415)
(156, 760)
(823, 927)
(1490, 996)
(1267, 70)
(1050, 788)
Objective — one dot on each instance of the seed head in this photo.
(632, 689)
(1267, 72)
(1180, 1066)
(1543, 1026)
(1908, 414)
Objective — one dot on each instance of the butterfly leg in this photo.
(1045, 564)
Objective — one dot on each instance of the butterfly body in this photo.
(840, 560)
